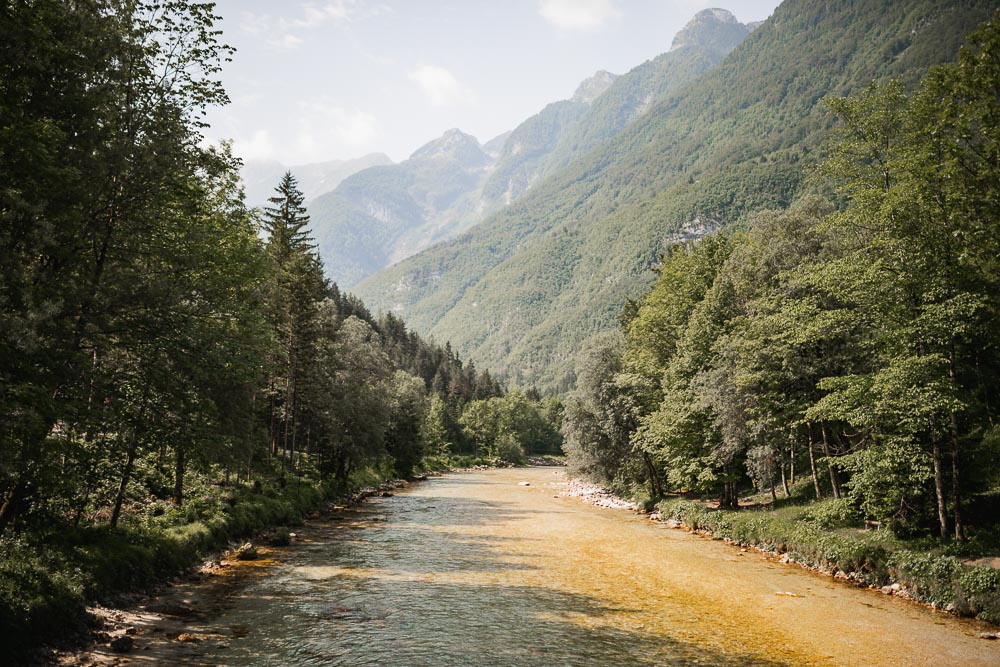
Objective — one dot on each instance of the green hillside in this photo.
(703, 43)
(519, 292)
(527, 148)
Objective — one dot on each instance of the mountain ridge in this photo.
(354, 243)
(519, 292)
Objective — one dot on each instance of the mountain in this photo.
(528, 146)
(261, 176)
(703, 43)
(376, 219)
(520, 291)
(383, 214)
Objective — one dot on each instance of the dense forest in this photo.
(175, 370)
(844, 348)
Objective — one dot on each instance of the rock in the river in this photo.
(246, 552)
(122, 644)
(524, 483)
(187, 637)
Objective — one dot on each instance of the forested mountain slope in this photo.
(526, 150)
(520, 291)
(702, 44)
(381, 216)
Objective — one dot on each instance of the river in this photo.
(478, 569)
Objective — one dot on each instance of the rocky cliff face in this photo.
(592, 88)
(711, 29)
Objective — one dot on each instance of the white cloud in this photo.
(441, 87)
(324, 131)
(285, 33)
(578, 15)
(314, 130)
(258, 146)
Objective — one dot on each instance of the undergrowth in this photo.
(828, 535)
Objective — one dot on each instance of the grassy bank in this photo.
(48, 578)
(829, 536)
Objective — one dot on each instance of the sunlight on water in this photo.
(475, 569)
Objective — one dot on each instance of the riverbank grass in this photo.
(829, 536)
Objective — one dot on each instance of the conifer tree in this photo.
(296, 289)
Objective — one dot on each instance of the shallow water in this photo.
(473, 569)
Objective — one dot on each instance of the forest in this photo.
(835, 361)
(175, 370)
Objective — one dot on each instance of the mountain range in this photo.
(385, 214)
(521, 290)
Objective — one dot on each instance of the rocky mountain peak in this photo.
(593, 87)
(711, 29)
(453, 145)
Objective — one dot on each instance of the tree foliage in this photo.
(860, 341)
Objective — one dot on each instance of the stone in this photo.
(524, 483)
(187, 637)
(895, 588)
(122, 644)
(170, 609)
(887, 590)
(246, 552)
(989, 635)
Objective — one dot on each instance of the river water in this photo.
(477, 569)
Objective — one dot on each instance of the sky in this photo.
(321, 80)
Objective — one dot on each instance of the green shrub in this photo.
(833, 513)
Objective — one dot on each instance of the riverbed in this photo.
(482, 569)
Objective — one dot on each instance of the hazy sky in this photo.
(333, 79)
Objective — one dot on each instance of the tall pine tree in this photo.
(296, 289)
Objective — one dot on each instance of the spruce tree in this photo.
(297, 286)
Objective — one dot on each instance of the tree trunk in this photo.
(834, 482)
(655, 488)
(812, 459)
(179, 477)
(123, 484)
(272, 447)
(956, 489)
(791, 462)
(12, 503)
(784, 480)
(939, 483)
